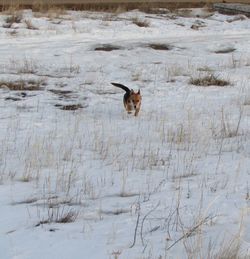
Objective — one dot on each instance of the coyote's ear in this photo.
(139, 92)
(132, 91)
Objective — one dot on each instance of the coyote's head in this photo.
(135, 98)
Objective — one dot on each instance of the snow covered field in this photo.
(80, 178)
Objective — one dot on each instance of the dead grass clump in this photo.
(205, 69)
(22, 85)
(25, 66)
(120, 9)
(230, 250)
(43, 6)
(102, 6)
(225, 50)
(155, 10)
(67, 217)
(14, 99)
(56, 12)
(179, 134)
(115, 212)
(240, 17)
(27, 201)
(13, 33)
(50, 10)
(209, 80)
(106, 47)
(29, 25)
(197, 25)
(58, 215)
(160, 46)
(70, 107)
(40, 6)
(247, 101)
(14, 18)
(7, 25)
(229, 130)
(146, 6)
(25, 179)
(140, 23)
(62, 94)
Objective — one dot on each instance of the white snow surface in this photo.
(170, 183)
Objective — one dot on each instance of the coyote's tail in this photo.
(125, 88)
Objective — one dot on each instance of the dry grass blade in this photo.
(189, 232)
(231, 249)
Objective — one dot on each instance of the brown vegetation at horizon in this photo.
(107, 5)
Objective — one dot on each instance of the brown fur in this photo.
(131, 100)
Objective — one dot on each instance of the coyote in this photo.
(131, 100)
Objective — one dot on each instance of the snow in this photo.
(181, 168)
